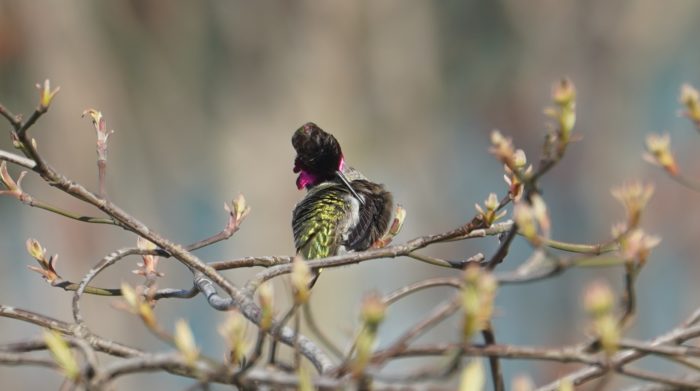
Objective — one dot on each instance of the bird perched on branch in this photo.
(342, 211)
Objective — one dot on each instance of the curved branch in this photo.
(105, 262)
(25, 359)
(35, 318)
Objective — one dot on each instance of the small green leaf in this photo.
(62, 354)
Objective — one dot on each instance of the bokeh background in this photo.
(204, 97)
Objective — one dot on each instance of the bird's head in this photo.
(319, 157)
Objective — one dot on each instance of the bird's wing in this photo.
(374, 215)
(316, 220)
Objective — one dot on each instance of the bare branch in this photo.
(18, 160)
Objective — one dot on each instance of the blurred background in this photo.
(204, 97)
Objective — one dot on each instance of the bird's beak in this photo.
(346, 182)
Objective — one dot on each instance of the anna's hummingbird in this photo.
(342, 210)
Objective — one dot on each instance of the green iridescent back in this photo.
(317, 218)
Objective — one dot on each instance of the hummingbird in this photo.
(342, 210)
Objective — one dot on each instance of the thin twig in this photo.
(318, 331)
(404, 291)
(460, 264)
(35, 318)
(657, 378)
(24, 359)
(401, 343)
(105, 262)
(254, 357)
(591, 249)
(664, 350)
(502, 251)
(675, 336)
(102, 177)
(267, 261)
(630, 298)
(17, 159)
(297, 328)
(560, 354)
(686, 182)
(14, 121)
(75, 216)
(496, 373)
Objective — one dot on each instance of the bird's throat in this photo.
(305, 180)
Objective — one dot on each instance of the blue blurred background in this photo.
(204, 97)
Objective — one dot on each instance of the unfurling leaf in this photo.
(301, 276)
(46, 95)
(14, 188)
(690, 98)
(373, 310)
(62, 354)
(659, 153)
(478, 293)
(488, 213)
(234, 332)
(472, 377)
(184, 340)
(136, 305)
(599, 302)
(47, 267)
(266, 298)
(634, 196)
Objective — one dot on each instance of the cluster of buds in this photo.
(62, 354)
(478, 293)
(234, 332)
(564, 113)
(532, 218)
(266, 299)
(634, 196)
(184, 341)
(690, 99)
(47, 266)
(514, 179)
(514, 161)
(502, 148)
(394, 229)
(301, 277)
(46, 95)
(599, 303)
(635, 244)
(101, 130)
(13, 188)
(238, 211)
(489, 213)
(148, 267)
(659, 153)
(135, 303)
(372, 315)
